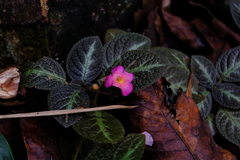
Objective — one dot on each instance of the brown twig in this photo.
(61, 112)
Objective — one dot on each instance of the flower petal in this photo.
(116, 83)
(127, 76)
(126, 88)
(118, 70)
(109, 81)
(149, 139)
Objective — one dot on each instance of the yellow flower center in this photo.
(119, 80)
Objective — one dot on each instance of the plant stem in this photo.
(61, 112)
(95, 99)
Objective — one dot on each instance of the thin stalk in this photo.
(62, 112)
(95, 99)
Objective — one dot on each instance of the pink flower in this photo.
(121, 79)
(149, 139)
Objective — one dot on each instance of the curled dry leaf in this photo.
(212, 38)
(183, 135)
(224, 31)
(218, 45)
(151, 30)
(180, 27)
(9, 82)
(218, 35)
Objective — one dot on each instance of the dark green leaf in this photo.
(228, 124)
(112, 33)
(105, 152)
(121, 44)
(197, 97)
(228, 65)
(235, 11)
(147, 67)
(100, 126)
(43, 74)
(5, 151)
(84, 61)
(205, 105)
(227, 94)
(131, 148)
(178, 77)
(176, 57)
(204, 70)
(160, 50)
(68, 97)
(179, 73)
(210, 120)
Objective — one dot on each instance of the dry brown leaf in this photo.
(222, 29)
(9, 82)
(218, 45)
(185, 137)
(143, 12)
(225, 31)
(221, 38)
(155, 28)
(41, 138)
(151, 31)
(182, 29)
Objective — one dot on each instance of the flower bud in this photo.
(95, 86)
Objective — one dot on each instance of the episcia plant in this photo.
(124, 64)
(222, 80)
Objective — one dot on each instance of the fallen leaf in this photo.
(155, 30)
(9, 82)
(151, 32)
(185, 136)
(181, 28)
(220, 37)
(224, 31)
(142, 13)
(218, 45)
(41, 138)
